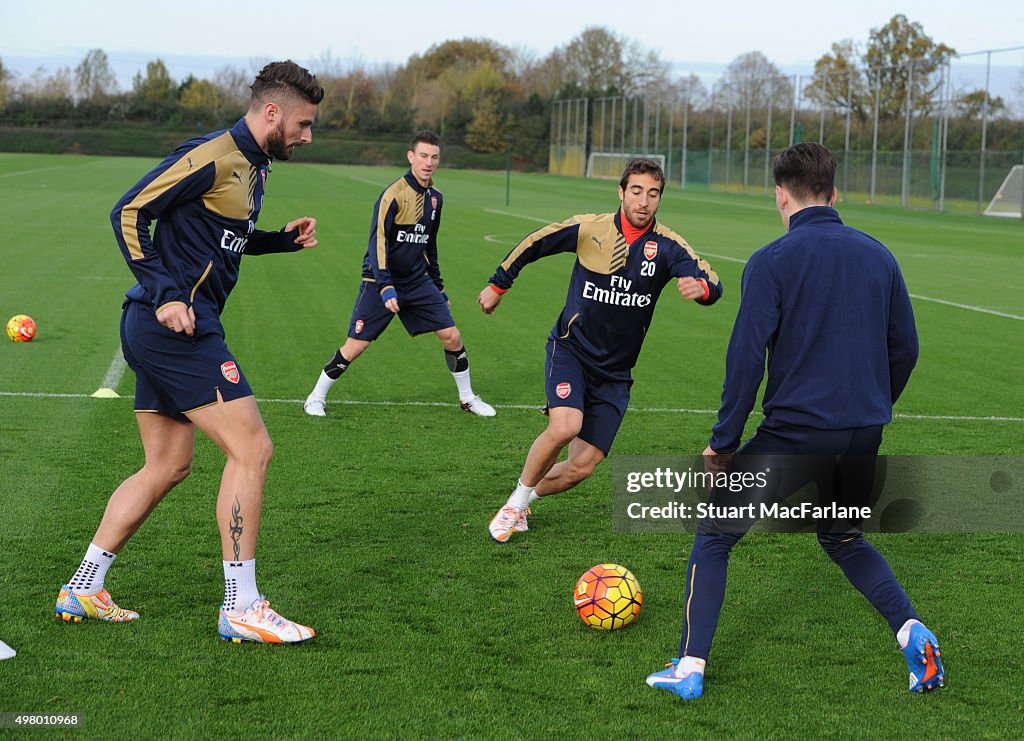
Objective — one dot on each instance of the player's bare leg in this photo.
(168, 445)
(238, 430)
(315, 404)
(458, 363)
(583, 459)
(564, 424)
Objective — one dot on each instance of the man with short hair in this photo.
(206, 196)
(623, 261)
(401, 276)
(827, 305)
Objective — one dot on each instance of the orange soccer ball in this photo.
(608, 597)
(21, 328)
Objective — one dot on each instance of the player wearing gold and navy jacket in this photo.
(614, 285)
(401, 277)
(623, 261)
(403, 237)
(205, 199)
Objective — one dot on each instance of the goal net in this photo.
(1009, 199)
(611, 164)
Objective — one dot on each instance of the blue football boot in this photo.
(688, 686)
(923, 659)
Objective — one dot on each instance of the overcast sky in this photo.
(201, 36)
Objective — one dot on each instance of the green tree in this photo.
(839, 81)
(901, 60)
(157, 85)
(972, 104)
(94, 79)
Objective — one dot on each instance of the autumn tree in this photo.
(839, 82)
(94, 78)
(4, 81)
(973, 104)
(752, 81)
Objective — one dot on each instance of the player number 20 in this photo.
(647, 267)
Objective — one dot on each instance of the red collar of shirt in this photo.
(630, 232)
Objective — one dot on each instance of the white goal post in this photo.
(611, 164)
(1009, 199)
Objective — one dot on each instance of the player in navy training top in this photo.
(401, 277)
(206, 197)
(828, 308)
(623, 261)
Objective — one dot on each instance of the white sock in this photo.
(323, 385)
(903, 634)
(92, 571)
(689, 665)
(534, 496)
(239, 585)
(465, 387)
(520, 498)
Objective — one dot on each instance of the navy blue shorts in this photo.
(568, 383)
(176, 374)
(421, 309)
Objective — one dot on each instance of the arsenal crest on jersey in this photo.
(563, 390)
(359, 326)
(433, 202)
(230, 371)
(650, 250)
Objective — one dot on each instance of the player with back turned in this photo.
(206, 197)
(623, 261)
(828, 307)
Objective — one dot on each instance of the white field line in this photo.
(919, 297)
(526, 407)
(31, 172)
(114, 372)
(968, 307)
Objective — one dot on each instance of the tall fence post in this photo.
(905, 187)
(984, 132)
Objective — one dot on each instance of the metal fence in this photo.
(942, 138)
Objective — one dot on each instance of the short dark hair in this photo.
(642, 166)
(287, 79)
(807, 170)
(427, 137)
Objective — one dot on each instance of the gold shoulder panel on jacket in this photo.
(235, 185)
(410, 203)
(534, 237)
(601, 247)
(191, 162)
(703, 264)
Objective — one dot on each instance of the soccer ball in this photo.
(21, 328)
(608, 597)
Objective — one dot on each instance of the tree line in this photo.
(480, 92)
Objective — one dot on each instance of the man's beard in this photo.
(276, 146)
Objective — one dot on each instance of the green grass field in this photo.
(374, 528)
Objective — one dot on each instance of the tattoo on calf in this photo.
(235, 529)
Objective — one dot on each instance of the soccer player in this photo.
(401, 276)
(206, 196)
(828, 307)
(623, 261)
